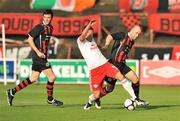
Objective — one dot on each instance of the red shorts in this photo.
(97, 75)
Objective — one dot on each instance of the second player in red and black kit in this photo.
(38, 39)
(123, 42)
(120, 50)
(41, 34)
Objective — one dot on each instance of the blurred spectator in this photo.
(53, 47)
(138, 5)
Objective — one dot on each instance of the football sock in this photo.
(136, 89)
(127, 86)
(50, 86)
(21, 85)
(91, 98)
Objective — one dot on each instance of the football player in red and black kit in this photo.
(122, 45)
(38, 39)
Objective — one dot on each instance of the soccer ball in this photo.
(129, 104)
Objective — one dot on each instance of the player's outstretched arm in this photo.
(83, 35)
(31, 43)
(109, 38)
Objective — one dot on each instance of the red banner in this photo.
(1, 53)
(130, 19)
(160, 72)
(63, 26)
(16, 23)
(70, 26)
(165, 23)
(176, 53)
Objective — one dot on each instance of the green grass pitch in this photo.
(30, 104)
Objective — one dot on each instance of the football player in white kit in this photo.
(98, 66)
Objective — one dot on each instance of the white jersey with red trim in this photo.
(91, 53)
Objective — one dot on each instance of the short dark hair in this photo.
(48, 12)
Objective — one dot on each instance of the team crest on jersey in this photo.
(95, 85)
(93, 45)
(47, 38)
(47, 64)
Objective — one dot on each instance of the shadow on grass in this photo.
(47, 105)
(150, 107)
(104, 106)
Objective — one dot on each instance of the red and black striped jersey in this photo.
(41, 35)
(121, 47)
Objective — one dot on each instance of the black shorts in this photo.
(123, 68)
(39, 65)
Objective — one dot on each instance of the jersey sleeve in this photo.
(118, 36)
(35, 32)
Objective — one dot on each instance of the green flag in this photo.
(42, 4)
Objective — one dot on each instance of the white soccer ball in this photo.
(129, 104)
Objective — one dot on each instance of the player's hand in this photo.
(41, 55)
(104, 48)
(92, 22)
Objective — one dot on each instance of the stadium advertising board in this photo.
(22, 23)
(153, 53)
(164, 23)
(176, 53)
(67, 71)
(160, 72)
(10, 70)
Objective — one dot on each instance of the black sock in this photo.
(136, 89)
(21, 85)
(50, 86)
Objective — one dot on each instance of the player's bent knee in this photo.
(136, 80)
(52, 78)
(119, 76)
(33, 79)
(96, 94)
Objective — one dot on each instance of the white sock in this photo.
(127, 86)
(91, 99)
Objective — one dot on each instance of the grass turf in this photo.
(30, 105)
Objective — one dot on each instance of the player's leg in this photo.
(94, 98)
(131, 75)
(26, 82)
(50, 87)
(113, 72)
(108, 87)
(96, 82)
(135, 82)
(126, 85)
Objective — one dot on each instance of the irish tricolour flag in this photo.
(65, 5)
